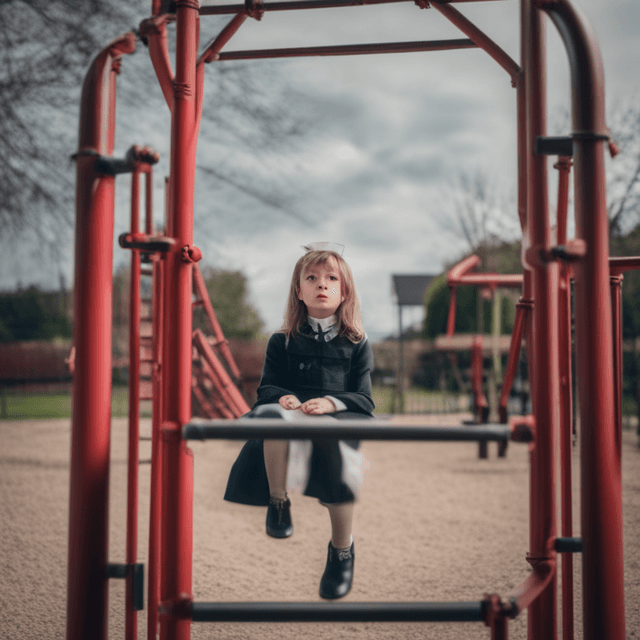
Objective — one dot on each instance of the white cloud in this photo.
(385, 132)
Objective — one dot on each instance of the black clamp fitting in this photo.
(568, 545)
(161, 244)
(554, 146)
(109, 166)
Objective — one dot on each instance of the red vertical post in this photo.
(616, 310)
(177, 485)
(545, 388)
(148, 219)
(155, 508)
(131, 630)
(91, 418)
(566, 402)
(519, 331)
(601, 494)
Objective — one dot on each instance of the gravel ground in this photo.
(433, 523)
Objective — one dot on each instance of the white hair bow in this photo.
(324, 246)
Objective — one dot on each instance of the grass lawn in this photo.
(42, 406)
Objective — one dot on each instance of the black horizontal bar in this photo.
(350, 49)
(343, 612)
(211, 10)
(328, 428)
(568, 545)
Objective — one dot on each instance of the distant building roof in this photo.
(409, 289)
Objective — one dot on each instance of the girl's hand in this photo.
(289, 402)
(318, 406)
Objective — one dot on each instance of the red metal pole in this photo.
(480, 39)
(601, 495)
(545, 379)
(177, 486)
(91, 420)
(616, 310)
(566, 402)
(131, 630)
(155, 508)
(523, 311)
(224, 384)
(221, 342)
(148, 201)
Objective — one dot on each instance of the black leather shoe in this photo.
(279, 523)
(338, 574)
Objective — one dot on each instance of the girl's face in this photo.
(320, 289)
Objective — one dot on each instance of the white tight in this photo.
(276, 453)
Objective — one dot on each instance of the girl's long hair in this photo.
(348, 313)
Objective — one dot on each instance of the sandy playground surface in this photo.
(434, 523)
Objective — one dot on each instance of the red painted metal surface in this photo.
(91, 421)
(224, 385)
(221, 342)
(566, 401)
(544, 324)
(617, 266)
(616, 321)
(177, 485)
(131, 629)
(601, 491)
(155, 507)
(480, 39)
(544, 368)
(459, 275)
(521, 331)
(177, 533)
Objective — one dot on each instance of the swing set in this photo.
(169, 353)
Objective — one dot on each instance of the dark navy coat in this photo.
(304, 367)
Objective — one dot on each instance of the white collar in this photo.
(322, 323)
(328, 326)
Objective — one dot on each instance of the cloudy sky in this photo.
(385, 136)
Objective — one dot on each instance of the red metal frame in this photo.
(542, 319)
(601, 494)
(91, 417)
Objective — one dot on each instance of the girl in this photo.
(320, 363)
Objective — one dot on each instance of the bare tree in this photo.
(623, 171)
(45, 49)
(481, 213)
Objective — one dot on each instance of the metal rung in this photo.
(343, 612)
(328, 428)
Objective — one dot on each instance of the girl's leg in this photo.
(276, 453)
(338, 573)
(341, 524)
